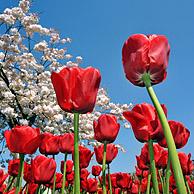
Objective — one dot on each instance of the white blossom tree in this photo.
(29, 53)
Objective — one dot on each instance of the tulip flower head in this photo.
(23, 139)
(76, 88)
(145, 122)
(111, 153)
(145, 54)
(180, 134)
(106, 128)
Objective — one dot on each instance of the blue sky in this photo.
(99, 28)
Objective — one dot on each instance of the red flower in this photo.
(186, 163)
(179, 133)
(58, 181)
(76, 88)
(13, 167)
(3, 177)
(32, 187)
(84, 174)
(92, 185)
(163, 160)
(70, 177)
(23, 139)
(145, 54)
(85, 156)
(28, 176)
(66, 143)
(49, 144)
(96, 170)
(123, 180)
(111, 153)
(69, 166)
(143, 161)
(43, 169)
(106, 128)
(145, 122)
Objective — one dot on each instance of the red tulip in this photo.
(163, 160)
(143, 160)
(186, 163)
(111, 153)
(70, 177)
(13, 167)
(66, 143)
(106, 128)
(96, 170)
(32, 187)
(84, 174)
(179, 133)
(145, 122)
(76, 88)
(3, 177)
(43, 169)
(49, 144)
(58, 181)
(28, 176)
(92, 185)
(23, 139)
(69, 166)
(85, 156)
(123, 180)
(145, 54)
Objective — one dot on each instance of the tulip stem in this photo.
(10, 183)
(148, 184)
(38, 189)
(109, 180)
(153, 167)
(64, 174)
(54, 184)
(76, 154)
(20, 174)
(179, 179)
(162, 181)
(168, 172)
(188, 188)
(104, 170)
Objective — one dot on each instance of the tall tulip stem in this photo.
(104, 170)
(179, 179)
(76, 154)
(148, 184)
(168, 172)
(109, 180)
(64, 174)
(153, 167)
(20, 174)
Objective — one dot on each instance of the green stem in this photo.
(104, 170)
(187, 185)
(38, 189)
(162, 182)
(168, 172)
(54, 184)
(153, 167)
(179, 179)
(10, 184)
(76, 154)
(20, 174)
(109, 180)
(148, 184)
(64, 174)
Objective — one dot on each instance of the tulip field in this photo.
(49, 108)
